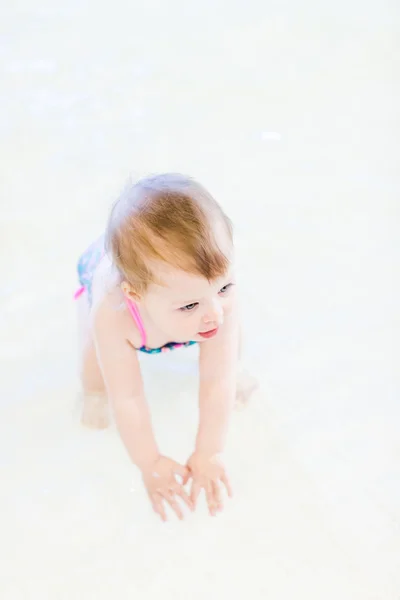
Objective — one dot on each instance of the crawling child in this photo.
(162, 278)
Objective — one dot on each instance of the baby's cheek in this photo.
(228, 306)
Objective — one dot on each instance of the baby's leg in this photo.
(95, 413)
(246, 384)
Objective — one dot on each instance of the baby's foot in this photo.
(246, 385)
(95, 413)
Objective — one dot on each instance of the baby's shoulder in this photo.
(105, 282)
(109, 311)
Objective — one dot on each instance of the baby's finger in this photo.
(186, 478)
(158, 507)
(212, 506)
(180, 491)
(171, 499)
(195, 492)
(181, 470)
(227, 484)
(217, 495)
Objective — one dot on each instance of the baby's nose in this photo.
(214, 314)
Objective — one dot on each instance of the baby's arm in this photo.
(218, 371)
(122, 377)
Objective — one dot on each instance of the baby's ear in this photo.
(129, 292)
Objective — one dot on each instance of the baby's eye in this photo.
(224, 289)
(189, 307)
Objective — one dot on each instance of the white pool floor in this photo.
(290, 115)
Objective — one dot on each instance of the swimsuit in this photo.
(86, 268)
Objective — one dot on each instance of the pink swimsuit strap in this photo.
(133, 309)
(79, 292)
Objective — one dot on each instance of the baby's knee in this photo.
(246, 384)
(95, 411)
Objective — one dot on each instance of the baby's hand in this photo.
(161, 484)
(208, 473)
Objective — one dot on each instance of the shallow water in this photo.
(291, 118)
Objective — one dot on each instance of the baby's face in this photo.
(188, 307)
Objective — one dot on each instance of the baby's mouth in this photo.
(209, 334)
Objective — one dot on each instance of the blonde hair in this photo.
(169, 218)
